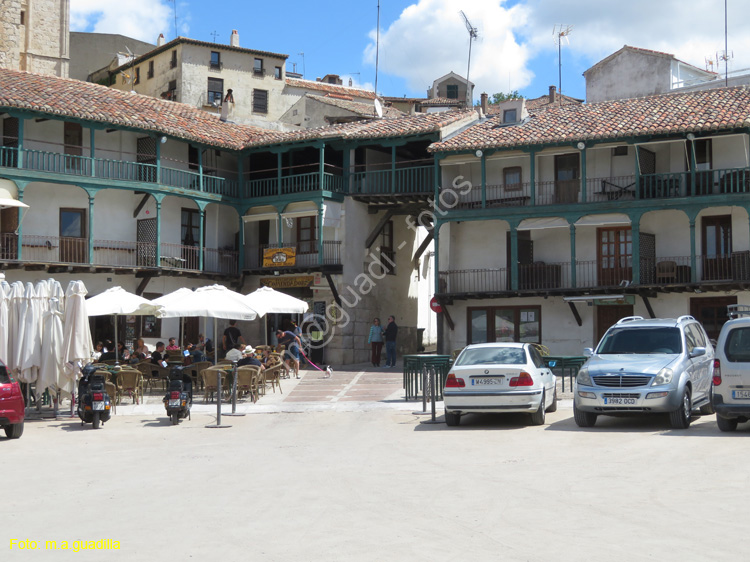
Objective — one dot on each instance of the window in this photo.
(512, 178)
(150, 69)
(73, 244)
(190, 233)
(215, 60)
(192, 157)
(73, 139)
(307, 235)
(620, 151)
(504, 324)
(258, 66)
(172, 90)
(260, 101)
(277, 72)
(173, 62)
(452, 91)
(387, 255)
(137, 79)
(215, 91)
(23, 18)
(509, 116)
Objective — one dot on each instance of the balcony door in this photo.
(73, 137)
(146, 245)
(567, 174)
(190, 238)
(614, 255)
(717, 247)
(73, 238)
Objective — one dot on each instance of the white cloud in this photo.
(140, 19)
(429, 39)
(692, 31)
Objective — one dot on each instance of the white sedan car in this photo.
(498, 378)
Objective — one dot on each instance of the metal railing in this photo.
(461, 281)
(500, 195)
(221, 261)
(415, 179)
(295, 183)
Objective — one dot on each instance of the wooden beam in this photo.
(379, 228)
(332, 285)
(142, 285)
(447, 314)
(648, 306)
(140, 205)
(422, 247)
(574, 310)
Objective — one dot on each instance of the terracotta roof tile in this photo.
(441, 101)
(360, 108)
(329, 88)
(701, 111)
(98, 104)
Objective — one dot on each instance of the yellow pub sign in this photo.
(279, 257)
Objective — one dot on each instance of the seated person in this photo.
(140, 350)
(98, 350)
(205, 346)
(108, 354)
(172, 345)
(158, 355)
(235, 354)
(249, 358)
(122, 351)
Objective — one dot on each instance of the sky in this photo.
(422, 40)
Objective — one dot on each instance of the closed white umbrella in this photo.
(51, 370)
(4, 319)
(268, 301)
(17, 324)
(118, 301)
(76, 332)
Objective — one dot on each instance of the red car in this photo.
(11, 404)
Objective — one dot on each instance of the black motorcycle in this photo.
(179, 396)
(94, 405)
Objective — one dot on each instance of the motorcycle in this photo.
(179, 396)
(94, 405)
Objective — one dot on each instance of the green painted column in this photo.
(573, 280)
(158, 160)
(91, 229)
(19, 242)
(346, 172)
(320, 234)
(278, 173)
(483, 164)
(513, 257)
(637, 173)
(240, 175)
(200, 238)
(532, 176)
(241, 246)
(635, 227)
(583, 175)
(436, 245)
(322, 170)
(158, 233)
(692, 167)
(437, 183)
(393, 169)
(279, 230)
(92, 152)
(200, 168)
(693, 260)
(20, 142)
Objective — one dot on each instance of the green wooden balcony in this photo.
(295, 183)
(412, 180)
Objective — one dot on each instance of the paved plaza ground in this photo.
(341, 469)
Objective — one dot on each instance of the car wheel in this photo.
(538, 417)
(553, 406)
(708, 409)
(584, 419)
(726, 424)
(680, 418)
(15, 430)
(452, 419)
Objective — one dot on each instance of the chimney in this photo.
(234, 40)
(160, 40)
(483, 98)
(552, 94)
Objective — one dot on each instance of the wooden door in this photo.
(189, 330)
(525, 259)
(73, 240)
(567, 174)
(614, 255)
(717, 247)
(711, 312)
(8, 236)
(607, 315)
(146, 244)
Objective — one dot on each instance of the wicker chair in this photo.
(249, 380)
(111, 389)
(195, 372)
(272, 373)
(130, 382)
(210, 381)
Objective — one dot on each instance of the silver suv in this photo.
(658, 365)
(731, 390)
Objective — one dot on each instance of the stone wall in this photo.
(11, 34)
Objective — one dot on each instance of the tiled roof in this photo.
(645, 52)
(542, 102)
(441, 101)
(360, 108)
(697, 112)
(216, 46)
(98, 104)
(420, 123)
(329, 88)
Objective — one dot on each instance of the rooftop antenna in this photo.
(726, 48)
(174, 2)
(303, 64)
(473, 34)
(215, 34)
(561, 33)
(377, 50)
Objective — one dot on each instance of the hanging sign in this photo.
(279, 257)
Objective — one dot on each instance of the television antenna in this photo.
(303, 64)
(473, 35)
(560, 33)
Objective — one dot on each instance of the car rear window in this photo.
(492, 356)
(4, 378)
(641, 340)
(737, 346)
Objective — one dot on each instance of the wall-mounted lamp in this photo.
(163, 140)
(581, 146)
(690, 137)
(479, 153)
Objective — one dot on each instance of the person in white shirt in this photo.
(235, 354)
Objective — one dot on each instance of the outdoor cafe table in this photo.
(572, 363)
(413, 366)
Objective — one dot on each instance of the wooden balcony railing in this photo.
(415, 179)
(305, 257)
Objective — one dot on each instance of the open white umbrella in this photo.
(267, 301)
(169, 298)
(118, 301)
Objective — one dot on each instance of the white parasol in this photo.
(51, 368)
(76, 332)
(4, 319)
(267, 301)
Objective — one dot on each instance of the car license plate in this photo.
(619, 401)
(741, 394)
(175, 402)
(98, 406)
(487, 381)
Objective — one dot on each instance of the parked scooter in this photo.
(179, 396)
(94, 405)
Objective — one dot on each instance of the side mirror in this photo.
(697, 352)
(588, 351)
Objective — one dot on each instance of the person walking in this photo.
(232, 337)
(291, 354)
(375, 339)
(391, 331)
